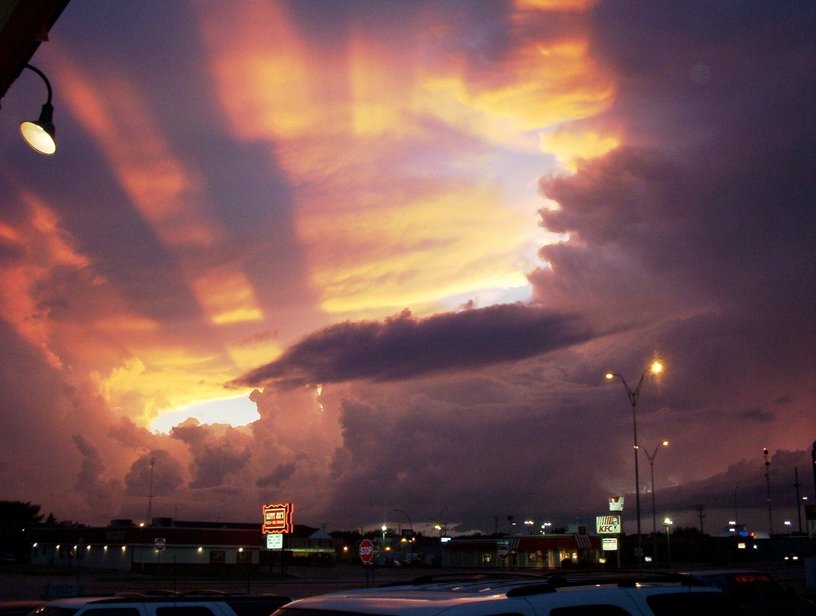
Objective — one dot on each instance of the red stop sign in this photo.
(366, 551)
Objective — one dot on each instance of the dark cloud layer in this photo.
(405, 347)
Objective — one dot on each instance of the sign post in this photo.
(609, 525)
(277, 520)
(159, 544)
(503, 549)
(366, 553)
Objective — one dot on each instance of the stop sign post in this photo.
(366, 551)
(503, 549)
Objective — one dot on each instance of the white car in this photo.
(520, 596)
(164, 605)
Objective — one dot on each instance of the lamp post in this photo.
(651, 458)
(656, 367)
(39, 134)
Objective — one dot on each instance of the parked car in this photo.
(519, 595)
(134, 604)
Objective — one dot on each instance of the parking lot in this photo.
(299, 582)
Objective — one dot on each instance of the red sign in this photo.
(277, 519)
(503, 551)
(366, 551)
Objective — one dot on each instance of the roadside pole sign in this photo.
(159, 543)
(277, 518)
(366, 551)
(608, 524)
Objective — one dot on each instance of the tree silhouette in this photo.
(17, 514)
(15, 518)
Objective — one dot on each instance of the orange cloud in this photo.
(44, 249)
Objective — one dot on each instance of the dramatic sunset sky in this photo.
(375, 257)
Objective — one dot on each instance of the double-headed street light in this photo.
(651, 457)
(656, 367)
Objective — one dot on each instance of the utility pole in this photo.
(150, 495)
(736, 510)
(813, 457)
(797, 485)
(700, 514)
(768, 492)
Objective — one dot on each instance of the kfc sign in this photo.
(616, 503)
(277, 519)
(608, 524)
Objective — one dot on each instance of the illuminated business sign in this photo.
(609, 544)
(608, 524)
(277, 519)
(616, 503)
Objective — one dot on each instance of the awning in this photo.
(583, 542)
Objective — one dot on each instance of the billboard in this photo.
(608, 524)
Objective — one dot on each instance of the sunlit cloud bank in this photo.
(412, 154)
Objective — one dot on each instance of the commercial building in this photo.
(193, 546)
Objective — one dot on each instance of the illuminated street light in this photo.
(656, 367)
(39, 133)
(651, 458)
(667, 522)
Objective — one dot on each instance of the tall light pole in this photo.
(651, 457)
(656, 367)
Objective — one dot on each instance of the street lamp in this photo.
(667, 522)
(39, 133)
(651, 457)
(656, 367)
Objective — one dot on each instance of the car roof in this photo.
(169, 597)
(427, 595)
